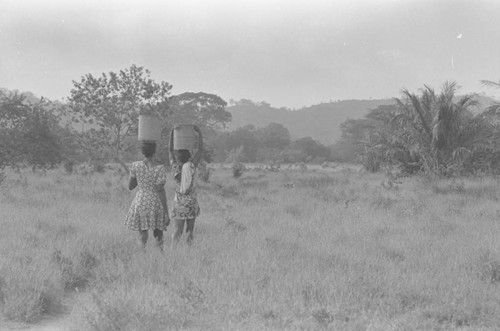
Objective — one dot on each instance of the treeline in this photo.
(430, 132)
(270, 144)
(427, 132)
(98, 124)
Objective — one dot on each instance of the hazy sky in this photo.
(289, 53)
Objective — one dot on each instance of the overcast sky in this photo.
(289, 53)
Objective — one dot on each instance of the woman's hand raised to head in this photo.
(171, 141)
(166, 218)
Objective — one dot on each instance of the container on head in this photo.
(185, 137)
(149, 128)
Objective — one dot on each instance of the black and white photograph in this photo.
(250, 165)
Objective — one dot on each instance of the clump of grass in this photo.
(235, 226)
(455, 318)
(149, 307)
(323, 317)
(2, 177)
(312, 295)
(254, 182)
(322, 182)
(381, 201)
(484, 190)
(28, 290)
(452, 187)
(293, 210)
(229, 191)
(75, 274)
(489, 267)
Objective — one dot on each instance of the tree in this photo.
(208, 111)
(245, 137)
(114, 101)
(311, 149)
(489, 159)
(274, 135)
(203, 109)
(366, 139)
(493, 110)
(439, 128)
(28, 132)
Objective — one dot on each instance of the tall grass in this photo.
(292, 250)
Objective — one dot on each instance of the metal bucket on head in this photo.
(149, 128)
(185, 137)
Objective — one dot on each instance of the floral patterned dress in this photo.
(146, 210)
(185, 204)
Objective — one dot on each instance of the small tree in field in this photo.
(28, 132)
(114, 101)
(439, 128)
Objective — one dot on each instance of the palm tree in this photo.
(494, 109)
(439, 128)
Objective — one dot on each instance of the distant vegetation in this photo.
(321, 122)
(425, 131)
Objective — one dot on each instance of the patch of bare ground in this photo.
(48, 323)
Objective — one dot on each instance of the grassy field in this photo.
(285, 250)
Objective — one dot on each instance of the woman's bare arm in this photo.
(132, 183)
(171, 155)
(197, 157)
(163, 198)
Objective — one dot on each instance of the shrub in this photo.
(204, 172)
(371, 161)
(238, 169)
(68, 167)
(98, 167)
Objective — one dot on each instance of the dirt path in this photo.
(51, 323)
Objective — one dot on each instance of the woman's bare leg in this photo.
(189, 230)
(143, 237)
(158, 234)
(179, 227)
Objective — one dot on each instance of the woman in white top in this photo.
(185, 208)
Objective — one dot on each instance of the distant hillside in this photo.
(321, 122)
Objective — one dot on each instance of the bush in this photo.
(98, 167)
(68, 167)
(238, 169)
(371, 161)
(204, 172)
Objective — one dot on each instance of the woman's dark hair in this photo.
(183, 155)
(148, 149)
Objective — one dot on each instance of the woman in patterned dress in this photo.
(185, 208)
(149, 210)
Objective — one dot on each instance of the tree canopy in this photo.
(203, 109)
(28, 132)
(114, 101)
